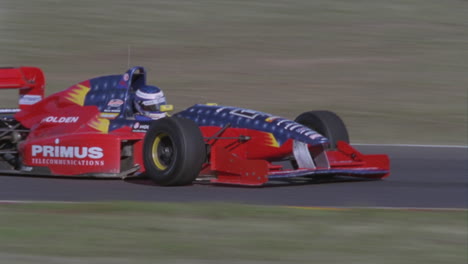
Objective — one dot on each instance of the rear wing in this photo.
(30, 82)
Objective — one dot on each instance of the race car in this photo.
(89, 130)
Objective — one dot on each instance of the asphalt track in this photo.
(422, 177)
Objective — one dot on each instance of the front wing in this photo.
(345, 161)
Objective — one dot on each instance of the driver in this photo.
(148, 100)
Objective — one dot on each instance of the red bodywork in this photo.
(29, 80)
(70, 138)
(81, 146)
(248, 163)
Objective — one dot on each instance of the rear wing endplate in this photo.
(30, 82)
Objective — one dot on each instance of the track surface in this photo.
(432, 177)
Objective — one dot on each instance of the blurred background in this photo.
(396, 70)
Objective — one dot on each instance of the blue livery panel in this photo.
(282, 128)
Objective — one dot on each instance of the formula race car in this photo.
(90, 130)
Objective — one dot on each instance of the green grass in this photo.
(225, 233)
(395, 70)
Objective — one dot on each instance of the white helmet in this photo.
(148, 100)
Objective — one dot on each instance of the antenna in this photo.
(128, 57)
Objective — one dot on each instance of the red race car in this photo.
(90, 129)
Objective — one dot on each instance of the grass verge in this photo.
(127, 232)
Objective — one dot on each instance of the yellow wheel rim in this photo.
(155, 152)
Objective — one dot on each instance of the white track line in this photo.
(410, 145)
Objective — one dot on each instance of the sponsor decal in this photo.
(72, 152)
(138, 127)
(9, 111)
(126, 77)
(60, 119)
(43, 161)
(112, 111)
(245, 113)
(66, 155)
(289, 125)
(302, 130)
(155, 101)
(282, 121)
(115, 103)
(293, 127)
(29, 99)
(315, 136)
(109, 115)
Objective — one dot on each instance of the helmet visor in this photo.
(151, 105)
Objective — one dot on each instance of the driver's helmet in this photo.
(148, 100)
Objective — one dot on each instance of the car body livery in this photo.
(90, 130)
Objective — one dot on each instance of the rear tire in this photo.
(173, 151)
(327, 123)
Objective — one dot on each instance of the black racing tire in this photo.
(173, 151)
(327, 123)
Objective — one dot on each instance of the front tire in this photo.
(173, 151)
(326, 123)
